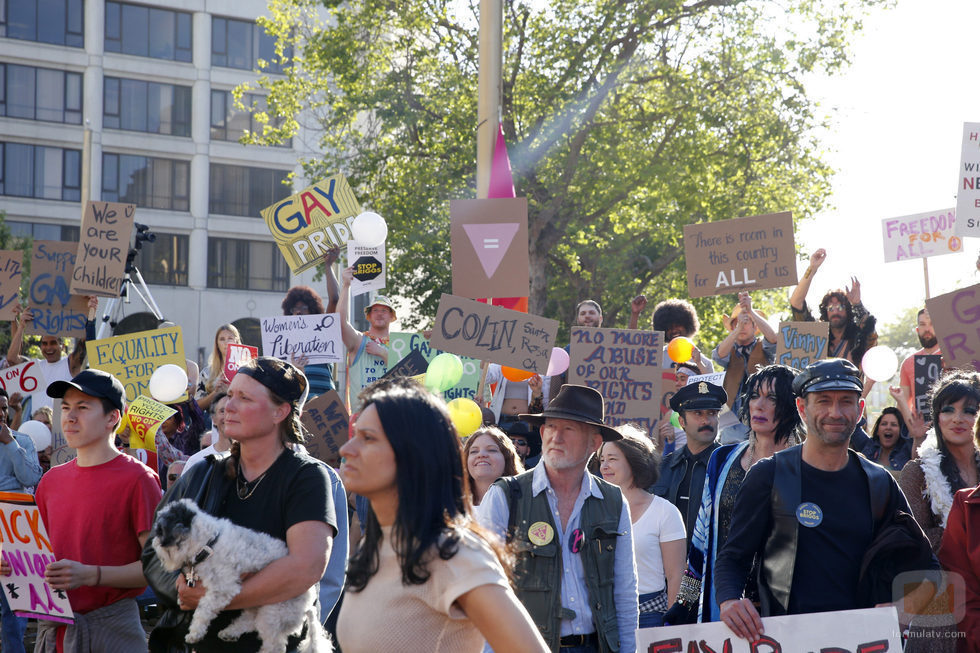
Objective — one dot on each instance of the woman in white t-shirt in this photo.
(659, 538)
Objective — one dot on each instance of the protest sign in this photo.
(489, 243)
(406, 345)
(800, 343)
(56, 311)
(968, 188)
(25, 378)
(60, 451)
(144, 417)
(717, 378)
(237, 355)
(740, 254)
(11, 270)
(307, 224)
(105, 232)
(27, 550)
(317, 337)
(412, 365)
(626, 367)
(327, 421)
(369, 267)
(135, 356)
(872, 630)
(469, 328)
(920, 235)
(956, 319)
(926, 369)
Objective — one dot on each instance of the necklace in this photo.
(244, 491)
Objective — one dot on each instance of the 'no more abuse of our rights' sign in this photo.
(307, 224)
(740, 254)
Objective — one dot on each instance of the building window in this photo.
(147, 107)
(42, 231)
(241, 43)
(148, 31)
(40, 94)
(228, 123)
(164, 261)
(48, 21)
(145, 181)
(237, 190)
(48, 173)
(246, 265)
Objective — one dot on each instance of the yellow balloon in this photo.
(680, 349)
(466, 415)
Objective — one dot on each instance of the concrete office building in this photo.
(152, 80)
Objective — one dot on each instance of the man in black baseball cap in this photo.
(818, 504)
(682, 473)
(99, 566)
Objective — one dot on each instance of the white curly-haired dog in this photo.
(218, 552)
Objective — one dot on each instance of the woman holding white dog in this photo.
(437, 580)
(265, 486)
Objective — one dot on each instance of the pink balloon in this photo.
(558, 362)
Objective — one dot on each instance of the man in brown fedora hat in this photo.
(572, 532)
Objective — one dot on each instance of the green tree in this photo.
(9, 241)
(625, 121)
(899, 333)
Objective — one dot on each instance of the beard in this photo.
(928, 342)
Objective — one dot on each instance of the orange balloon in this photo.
(680, 349)
(516, 375)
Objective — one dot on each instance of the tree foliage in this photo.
(625, 120)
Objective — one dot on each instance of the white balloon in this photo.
(168, 382)
(39, 432)
(880, 363)
(369, 229)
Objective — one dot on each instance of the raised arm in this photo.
(798, 297)
(352, 339)
(637, 306)
(77, 358)
(17, 335)
(333, 288)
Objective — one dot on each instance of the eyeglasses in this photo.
(519, 442)
(835, 307)
(173, 477)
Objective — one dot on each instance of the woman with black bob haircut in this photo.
(768, 408)
(264, 485)
(423, 562)
(949, 459)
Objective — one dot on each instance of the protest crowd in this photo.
(540, 510)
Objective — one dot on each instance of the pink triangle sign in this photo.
(491, 242)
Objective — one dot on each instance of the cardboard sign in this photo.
(926, 369)
(237, 355)
(327, 421)
(499, 335)
(874, 630)
(408, 346)
(144, 417)
(968, 188)
(11, 270)
(56, 311)
(800, 343)
(105, 233)
(317, 337)
(60, 451)
(489, 243)
(412, 365)
(134, 357)
(920, 235)
(369, 267)
(740, 254)
(307, 224)
(626, 367)
(956, 319)
(27, 549)
(25, 378)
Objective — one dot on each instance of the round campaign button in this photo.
(540, 533)
(809, 514)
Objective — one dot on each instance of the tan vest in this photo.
(736, 369)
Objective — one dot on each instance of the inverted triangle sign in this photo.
(491, 241)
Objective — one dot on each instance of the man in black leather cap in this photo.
(682, 473)
(817, 504)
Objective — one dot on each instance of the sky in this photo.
(898, 112)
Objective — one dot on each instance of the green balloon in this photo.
(444, 372)
(673, 420)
